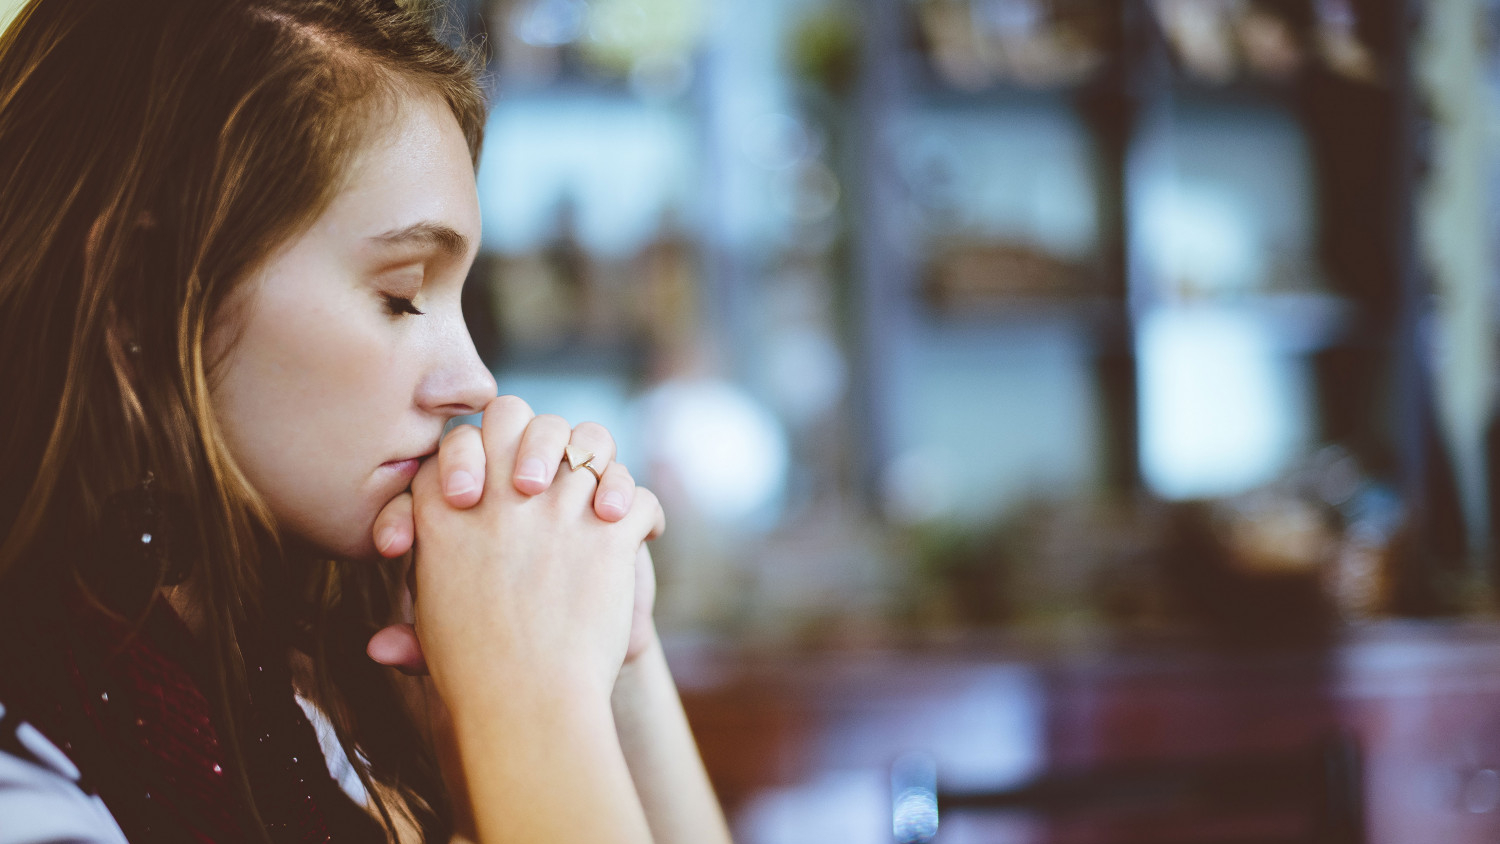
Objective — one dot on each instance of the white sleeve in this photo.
(333, 753)
(40, 801)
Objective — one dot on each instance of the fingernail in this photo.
(613, 501)
(385, 539)
(532, 469)
(459, 482)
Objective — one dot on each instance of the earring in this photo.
(138, 548)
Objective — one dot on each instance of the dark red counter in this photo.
(799, 744)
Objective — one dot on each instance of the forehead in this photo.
(414, 172)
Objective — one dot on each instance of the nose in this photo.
(458, 384)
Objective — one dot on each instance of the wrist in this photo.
(642, 645)
(639, 684)
(645, 649)
(534, 695)
(530, 757)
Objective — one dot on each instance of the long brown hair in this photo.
(152, 153)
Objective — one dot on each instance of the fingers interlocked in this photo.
(516, 456)
(596, 476)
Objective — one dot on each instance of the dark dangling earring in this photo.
(139, 547)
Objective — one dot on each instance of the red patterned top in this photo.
(135, 720)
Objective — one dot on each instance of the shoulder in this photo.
(40, 798)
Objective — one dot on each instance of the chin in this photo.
(345, 534)
(360, 547)
(363, 553)
(308, 541)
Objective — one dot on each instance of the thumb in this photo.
(397, 647)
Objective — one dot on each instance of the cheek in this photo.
(308, 399)
(291, 375)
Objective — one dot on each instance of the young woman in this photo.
(233, 236)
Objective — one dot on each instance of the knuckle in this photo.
(551, 423)
(471, 448)
(460, 434)
(593, 430)
(508, 404)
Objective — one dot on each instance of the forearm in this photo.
(546, 770)
(663, 758)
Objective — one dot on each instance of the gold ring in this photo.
(579, 458)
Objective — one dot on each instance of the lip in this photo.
(407, 466)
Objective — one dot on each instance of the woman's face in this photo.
(329, 386)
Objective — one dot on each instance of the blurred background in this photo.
(1075, 417)
(1051, 398)
(1038, 387)
(934, 315)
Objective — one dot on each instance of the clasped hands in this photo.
(521, 564)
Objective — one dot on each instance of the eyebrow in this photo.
(444, 239)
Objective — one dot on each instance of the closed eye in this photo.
(398, 305)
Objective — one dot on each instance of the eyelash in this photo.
(399, 305)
